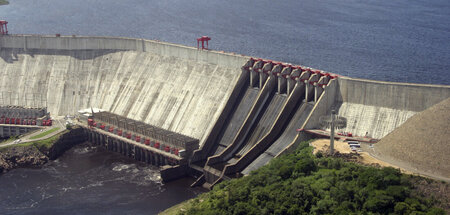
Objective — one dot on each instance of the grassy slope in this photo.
(301, 183)
(43, 134)
(42, 145)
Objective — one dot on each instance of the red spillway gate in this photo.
(3, 27)
(203, 40)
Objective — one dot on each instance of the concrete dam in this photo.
(244, 111)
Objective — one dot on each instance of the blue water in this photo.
(400, 40)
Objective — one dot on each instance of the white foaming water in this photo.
(120, 166)
(96, 184)
(84, 150)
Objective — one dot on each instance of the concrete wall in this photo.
(370, 106)
(400, 96)
(377, 108)
(15, 130)
(323, 106)
(174, 87)
(376, 121)
(241, 85)
(116, 43)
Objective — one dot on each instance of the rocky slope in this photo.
(21, 156)
(35, 155)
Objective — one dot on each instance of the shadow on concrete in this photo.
(10, 55)
(337, 106)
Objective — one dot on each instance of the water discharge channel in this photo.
(90, 180)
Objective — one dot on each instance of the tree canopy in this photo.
(301, 183)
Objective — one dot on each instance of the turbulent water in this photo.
(401, 40)
(89, 180)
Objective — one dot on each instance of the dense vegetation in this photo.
(301, 183)
(4, 2)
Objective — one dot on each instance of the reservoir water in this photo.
(403, 41)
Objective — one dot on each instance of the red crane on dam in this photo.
(3, 27)
(203, 40)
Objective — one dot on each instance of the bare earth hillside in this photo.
(422, 141)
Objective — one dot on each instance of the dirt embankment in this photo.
(422, 142)
(34, 155)
(343, 150)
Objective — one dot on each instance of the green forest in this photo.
(303, 183)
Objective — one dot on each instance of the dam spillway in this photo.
(244, 111)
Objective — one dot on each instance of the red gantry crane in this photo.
(203, 39)
(3, 27)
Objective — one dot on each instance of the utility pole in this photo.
(333, 114)
(332, 122)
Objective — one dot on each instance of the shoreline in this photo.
(36, 154)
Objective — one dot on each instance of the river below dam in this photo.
(90, 180)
